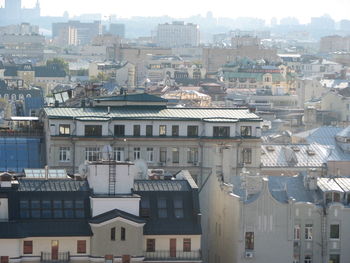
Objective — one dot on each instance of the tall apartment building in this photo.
(334, 43)
(85, 31)
(178, 34)
(141, 126)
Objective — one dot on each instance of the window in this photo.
(151, 245)
(192, 131)
(68, 209)
(28, 247)
(119, 153)
(336, 197)
(113, 233)
(247, 156)
(57, 209)
(334, 231)
(93, 130)
(137, 153)
(249, 240)
(178, 207)
(46, 209)
(35, 208)
(187, 245)
(125, 258)
(175, 152)
(162, 130)
(192, 155)
(149, 130)
(297, 232)
(246, 131)
(162, 208)
(137, 130)
(122, 234)
(221, 131)
(79, 209)
(4, 259)
(334, 258)
(81, 246)
(308, 259)
(296, 258)
(308, 232)
(144, 207)
(64, 154)
(92, 154)
(175, 130)
(64, 129)
(150, 155)
(24, 208)
(109, 258)
(162, 154)
(119, 130)
(332, 197)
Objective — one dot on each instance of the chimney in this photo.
(46, 172)
(108, 110)
(83, 103)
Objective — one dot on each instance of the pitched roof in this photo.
(44, 228)
(114, 214)
(133, 97)
(152, 113)
(52, 185)
(161, 185)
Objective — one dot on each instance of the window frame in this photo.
(64, 154)
(149, 130)
(246, 131)
(334, 235)
(96, 130)
(27, 247)
(81, 246)
(221, 131)
(162, 130)
(65, 127)
(113, 234)
(122, 234)
(187, 245)
(247, 155)
(136, 130)
(308, 231)
(192, 133)
(175, 130)
(249, 240)
(175, 154)
(150, 245)
(119, 130)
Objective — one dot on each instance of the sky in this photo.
(266, 9)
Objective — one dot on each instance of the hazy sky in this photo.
(302, 9)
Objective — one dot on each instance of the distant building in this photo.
(178, 34)
(14, 13)
(335, 43)
(117, 30)
(85, 32)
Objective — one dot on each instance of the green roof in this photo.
(151, 113)
(133, 97)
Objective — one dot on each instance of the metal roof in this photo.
(295, 155)
(152, 113)
(40, 173)
(326, 136)
(52, 185)
(344, 183)
(328, 184)
(161, 185)
(133, 97)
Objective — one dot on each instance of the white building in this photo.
(178, 34)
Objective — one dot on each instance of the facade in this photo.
(304, 218)
(14, 13)
(337, 102)
(335, 43)
(178, 34)
(103, 215)
(141, 126)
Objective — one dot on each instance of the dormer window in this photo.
(246, 131)
(332, 197)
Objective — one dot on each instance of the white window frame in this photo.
(119, 154)
(92, 154)
(192, 155)
(308, 232)
(297, 232)
(64, 154)
(137, 153)
(150, 155)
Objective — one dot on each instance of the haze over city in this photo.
(300, 9)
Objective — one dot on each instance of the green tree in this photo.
(61, 63)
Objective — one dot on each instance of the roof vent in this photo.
(270, 148)
(311, 152)
(295, 148)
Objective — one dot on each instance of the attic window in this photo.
(162, 208)
(295, 148)
(270, 148)
(311, 152)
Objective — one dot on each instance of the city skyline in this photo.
(303, 10)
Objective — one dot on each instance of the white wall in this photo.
(10, 247)
(4, 209)
(105, 204)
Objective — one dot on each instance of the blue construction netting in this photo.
(17, 154)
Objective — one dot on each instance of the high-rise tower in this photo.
(13, 8)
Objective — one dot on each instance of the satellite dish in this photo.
(143, 169)
(83, 169)
(107, 153)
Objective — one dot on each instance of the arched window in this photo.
(13, 97)
(21, 97)
(29, 96)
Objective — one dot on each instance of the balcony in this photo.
(60, 257)
(173, 256)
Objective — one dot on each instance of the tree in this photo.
(59, 62)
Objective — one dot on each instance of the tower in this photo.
(13, 9)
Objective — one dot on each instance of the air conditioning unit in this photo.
(249, 254)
